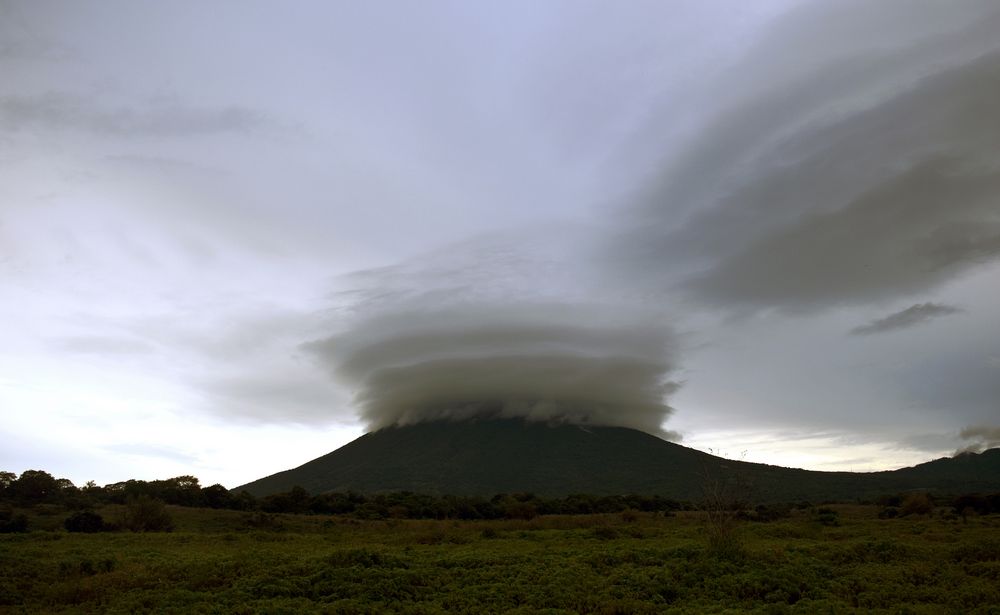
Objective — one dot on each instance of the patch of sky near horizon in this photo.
(902, 396)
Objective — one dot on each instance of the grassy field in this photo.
(215, 561)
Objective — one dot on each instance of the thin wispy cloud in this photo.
(61, 110)
(904, 319)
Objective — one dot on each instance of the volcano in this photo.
(487, 457)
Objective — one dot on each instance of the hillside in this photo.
(506, 456)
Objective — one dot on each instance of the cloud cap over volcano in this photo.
(543, 362)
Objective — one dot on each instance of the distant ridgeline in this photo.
(483, 458)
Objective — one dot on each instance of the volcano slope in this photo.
(488, 457)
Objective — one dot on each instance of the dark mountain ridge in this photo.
(507, 456)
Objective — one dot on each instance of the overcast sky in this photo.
(236, 235)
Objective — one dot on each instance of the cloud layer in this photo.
(424, 343)
(846, 176)
(542, 363)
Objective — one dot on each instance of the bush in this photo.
(828, 517)
(889, 512)
(85, 521)
(520, 510)
(604, 532)
(146, 514)
(767, 513)
(917, 504)
(489, 533)
(971, 504)
(10, 524)
(263, 521)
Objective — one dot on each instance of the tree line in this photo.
(36, 487)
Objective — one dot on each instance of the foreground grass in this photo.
(215, 562)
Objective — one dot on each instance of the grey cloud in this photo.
(911, 316)
(539, 362)
(859, 193)
(498, 326)
(915, 231)
(61, 110)
(979, 438)
(776, 98)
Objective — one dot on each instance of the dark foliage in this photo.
(975, 503)
(11, 523)
(889, 512)
(145, 503)
(85, 521)
(767, 512)
(827, 516)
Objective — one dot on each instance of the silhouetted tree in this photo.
(216, 496)
(6, 480)
(35, 486)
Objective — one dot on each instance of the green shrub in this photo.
(828, 517)
(146, 514)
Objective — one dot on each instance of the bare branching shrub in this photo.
(725, 499)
